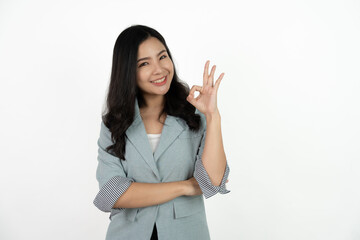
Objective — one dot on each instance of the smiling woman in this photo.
(156, 70)
(160, 150)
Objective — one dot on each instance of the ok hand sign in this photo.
(206, 102)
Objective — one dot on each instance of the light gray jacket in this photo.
(176, 158)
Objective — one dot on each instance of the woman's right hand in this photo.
(192, 187)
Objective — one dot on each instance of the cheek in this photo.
(141, 77)
(171, 66)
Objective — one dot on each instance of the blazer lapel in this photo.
(137, 135)
(171, 130)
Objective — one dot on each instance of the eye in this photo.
(163, 56)
(143, 64)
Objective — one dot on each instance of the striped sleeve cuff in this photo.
(110, 192)
(204, 181)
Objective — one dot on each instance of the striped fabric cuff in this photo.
(204, 181)
(110, 192)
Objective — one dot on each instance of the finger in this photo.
(211, 77)
(217, 83)
(206, 73)
(194, 88)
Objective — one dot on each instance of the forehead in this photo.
(151, 46)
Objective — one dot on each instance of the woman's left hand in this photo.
(206, 102)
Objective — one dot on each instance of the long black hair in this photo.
(120, 102)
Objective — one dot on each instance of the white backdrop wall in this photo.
(289, 103)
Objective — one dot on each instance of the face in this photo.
(155, 69)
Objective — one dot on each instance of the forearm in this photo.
(148, 194)
(213, 157)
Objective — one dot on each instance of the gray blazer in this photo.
(176, 158)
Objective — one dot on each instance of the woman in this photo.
(155, 163)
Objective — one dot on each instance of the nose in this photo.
(157, 68)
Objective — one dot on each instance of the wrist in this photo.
(182, 187)
(214, 116)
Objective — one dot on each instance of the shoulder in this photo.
(105, 135)
(203, 120)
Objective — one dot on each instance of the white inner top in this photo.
(154, 140)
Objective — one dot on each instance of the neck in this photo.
(154, 103)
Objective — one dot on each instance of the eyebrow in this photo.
(149, 57)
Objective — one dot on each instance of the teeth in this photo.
(159, 81)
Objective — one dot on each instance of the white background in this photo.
(289, 103)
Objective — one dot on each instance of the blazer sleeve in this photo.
(202, 176)
(110, 174)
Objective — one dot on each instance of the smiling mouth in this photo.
(159, 81)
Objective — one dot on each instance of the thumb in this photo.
(190, 98)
